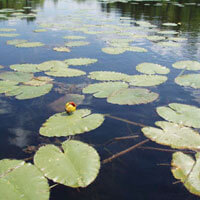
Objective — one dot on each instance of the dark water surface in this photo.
(137, 175)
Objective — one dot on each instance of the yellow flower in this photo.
(70, 107)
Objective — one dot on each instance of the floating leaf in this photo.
(60, 72)
(169, 24)
(52, 65)
(76, 166)
(40, 30)
(132, 96)
(191, 80)
(155, 38)
(181, 113)
(38, 81)
(20, 180)
(16, 76)
(1, 67)
(135, 49)
(174, 135)
(30, 44)
(16, 41)
(107, 76)
(105, 89)
(74, 37)
(188, 65)
(6, 86)
(146, 80)
(61, 49)
(168, 44)
(80, 61)
(113, 50)
(7, 29)
(186, 169)
(9, 34)
(168, 32)
(25, 67)
(151, 68)
(177, 39)
(77, 43)
(63, 124)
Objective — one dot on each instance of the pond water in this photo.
(142, 173)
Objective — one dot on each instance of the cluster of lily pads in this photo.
(74, 163)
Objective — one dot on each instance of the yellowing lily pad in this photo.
(74, 37)
(181, 113)
(168, 32)
(76, 43)
(173, 135)
(1, 67)
(187, 64)
(25, 68)
(105, 89)
(38, 81)
(16, 41)
(135, 49)
(189, 80)
(9, 34)
(168, 44)
(22, 180)
(113, 50)
(7, 29)
(80, 61)
(155, 38)
(40, 30)
(30, 44)
(61, 49)
(132, 96)
(151, 68)
(76, 165)
(107, 76)
(146, 80)
(186, 169)
(63, 124)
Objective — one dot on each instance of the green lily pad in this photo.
(174, 135)
(74, 37)
(187, 64)
(40, 30)
(107, 76)
(146, 80)
(29, 92)
(151, 68)
(80, 61)
(105, 89)
(7, 29)
(169, 24)
(177, 39)
(52, 65)
(6, 86)
(186, 169)
(113, 50)
(132, 96)
(20, 180)
(191, 80)
(168, 44)
(9, 34)
(76, 43)
(135, 49)
(38, 81)
(76, 166)
(155, 38)
(30, 44)
(63, 124)
(1, 67)
(61, 49)
(60, 72)
(168, 32)
(25, 67)
(16, 76)
(181, 113)
(15, 42)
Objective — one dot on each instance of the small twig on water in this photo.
(29, 158)
(164, 164)
(54, 185)
(189, 173)
(125, 120)
(181, 72)
(176, 182)
(124, 152)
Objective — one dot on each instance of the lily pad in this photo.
(25, 68)
(62, 124)
(6, 86)
(135, 49)
(9, 34)
(132, 96)
(80, 61)
(168, 32)
(74, 37)
(181, 113)
(16, 76)
(22, 180)
(30, 44)
(1, 67)
(174, 135)
(61, 49)
(107, 76)
(168, 44)
(105, 89)
(151, 68)
(15, 42)
(52, 65)
(76, 166)
(40, 30)
(177, 39)
(187, 64)
(38, 81)
(155, 38)
(186, 169)
(146, 80)
(190, 80)
(113, 50)
(169, 24)
(7, 29)
(76, 43)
